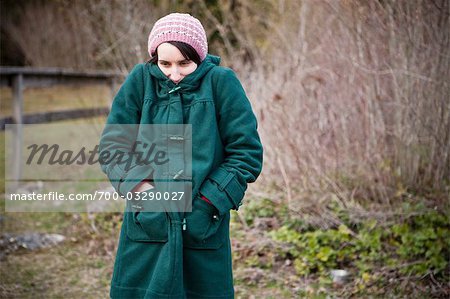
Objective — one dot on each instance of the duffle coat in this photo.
(183, 255)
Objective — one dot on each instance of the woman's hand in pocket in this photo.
(206, 199)
(143, 186)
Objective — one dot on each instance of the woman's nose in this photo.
(175, 74)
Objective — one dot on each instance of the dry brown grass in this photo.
(57, 98)
(353, 104)
(81, 266)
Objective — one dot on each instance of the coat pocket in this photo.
(147, 226)
(205, 228)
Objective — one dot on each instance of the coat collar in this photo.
(190, 82)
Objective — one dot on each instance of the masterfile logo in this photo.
(69, 167)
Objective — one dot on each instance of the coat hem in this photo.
(197, 296)
(127, 292)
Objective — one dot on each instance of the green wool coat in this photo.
(183, 254)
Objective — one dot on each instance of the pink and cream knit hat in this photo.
(178, 27)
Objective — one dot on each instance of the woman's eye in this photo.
(185, 63)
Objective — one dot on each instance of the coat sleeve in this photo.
(118, 139)
(226, 185)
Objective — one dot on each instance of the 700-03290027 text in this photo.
(99, 195)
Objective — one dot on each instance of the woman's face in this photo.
(173, 64)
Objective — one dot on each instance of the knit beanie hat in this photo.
(179, 27)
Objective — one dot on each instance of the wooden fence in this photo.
(19, 78)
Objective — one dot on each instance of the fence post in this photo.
(112, 86)
(17, 85)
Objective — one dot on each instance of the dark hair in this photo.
(186, 50)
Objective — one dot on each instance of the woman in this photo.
(169, 254)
